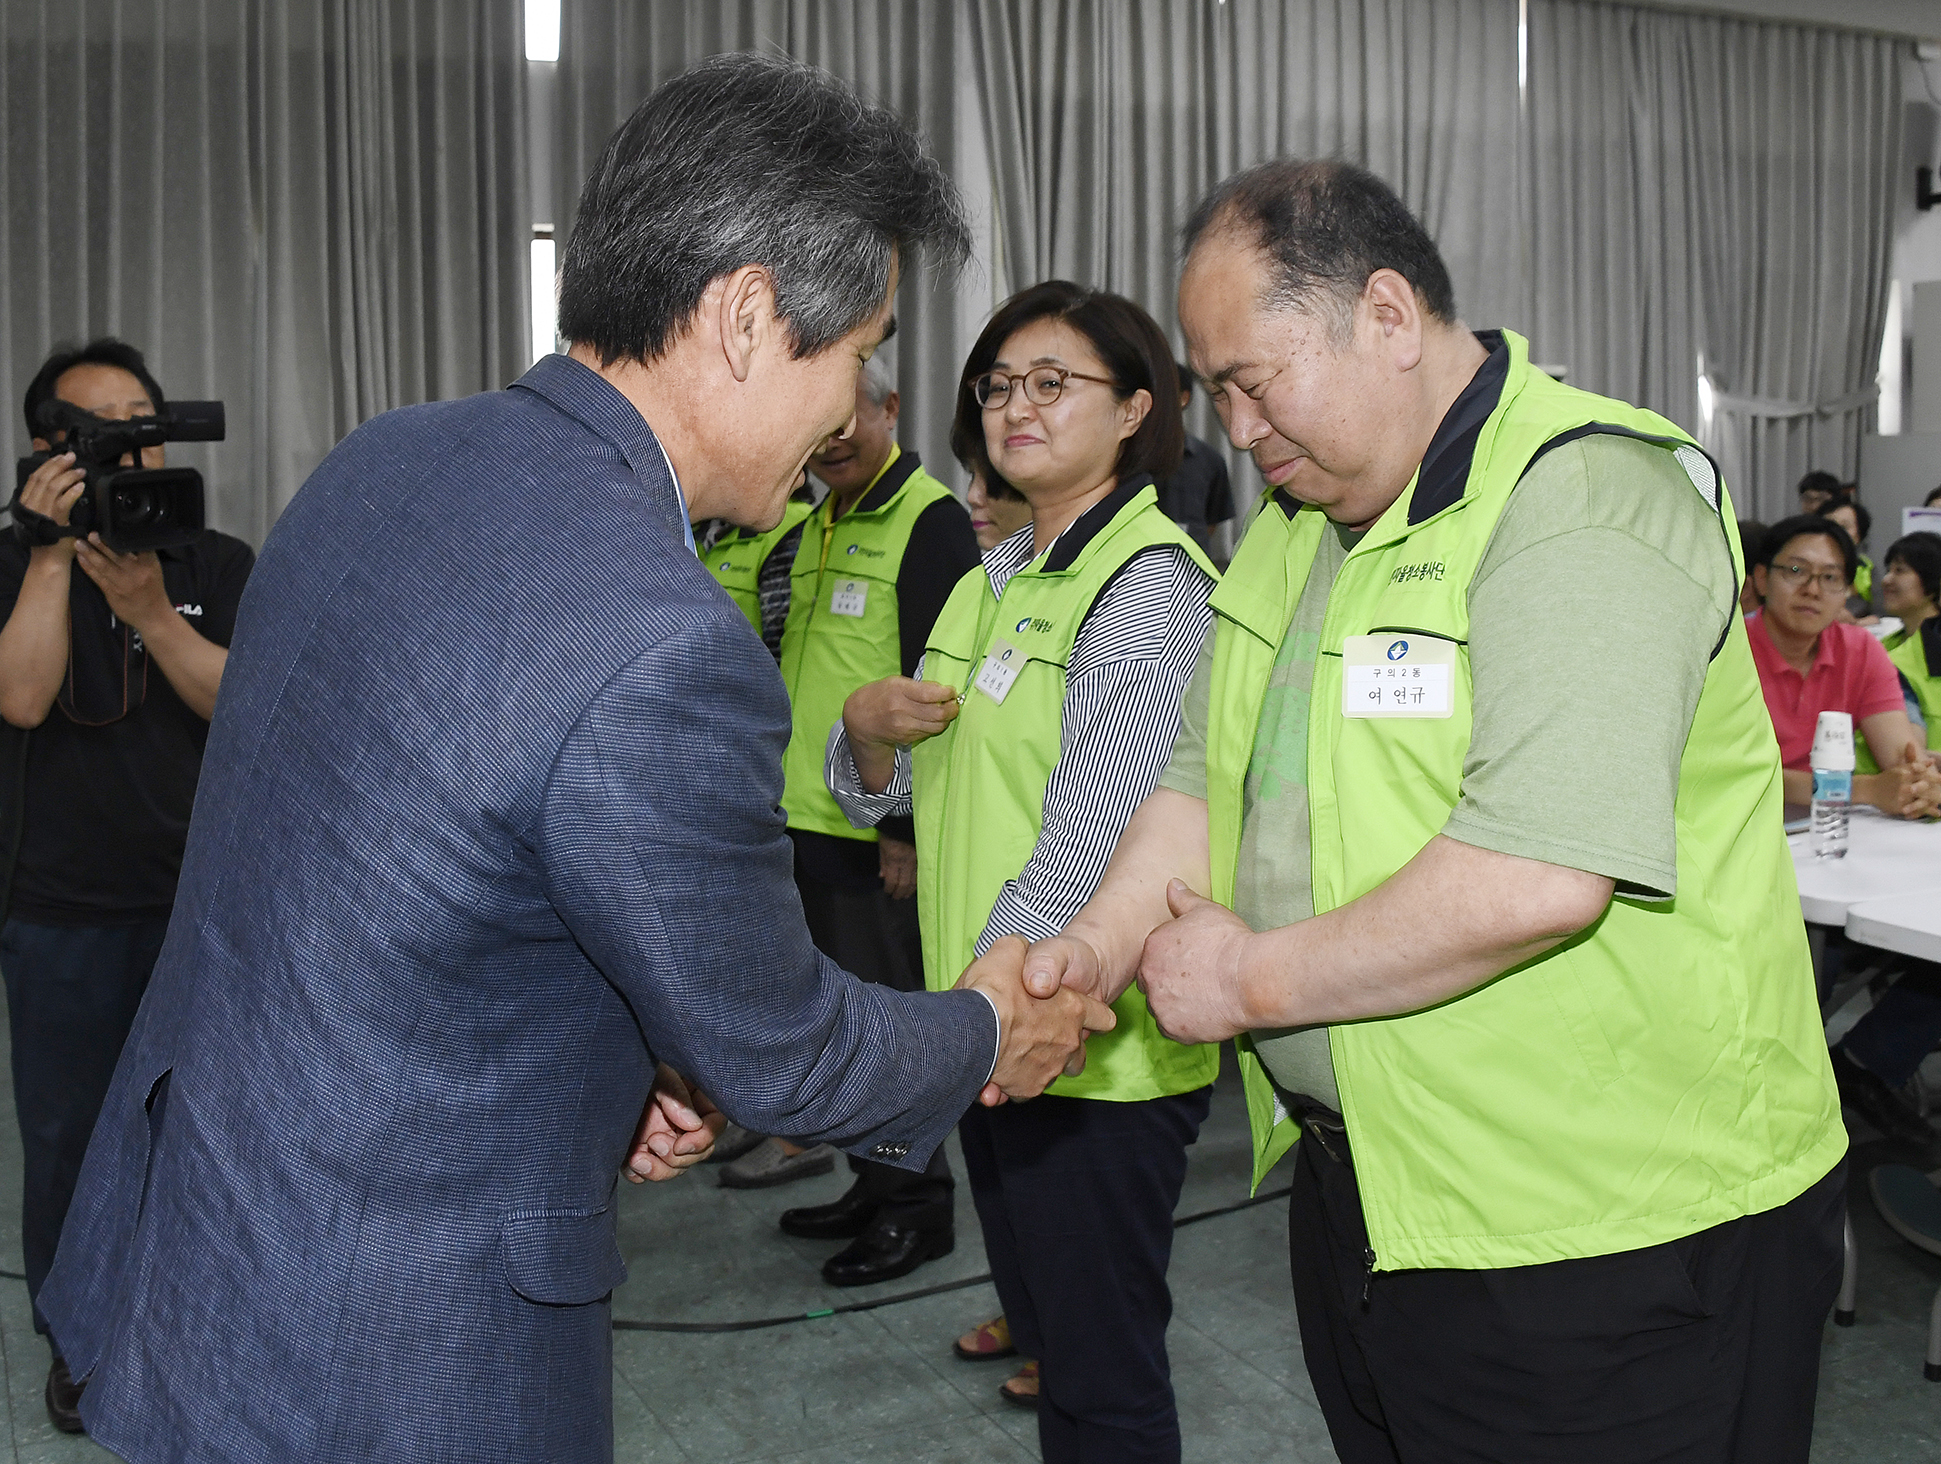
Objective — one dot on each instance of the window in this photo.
(545, 303)
(542, 30)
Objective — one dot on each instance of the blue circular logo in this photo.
(1019, 627)
(852, 549)
(1398, 650)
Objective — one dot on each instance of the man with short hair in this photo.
(1197, 496)
(488, 856)
(878, 560)
(1477, 772)
(107, 681)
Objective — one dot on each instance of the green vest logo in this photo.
(1409, 573)
(1032, 622)
(865, 552)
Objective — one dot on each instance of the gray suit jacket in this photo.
(487, 824)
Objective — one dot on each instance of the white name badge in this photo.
(1001, 667)
(849, 597)
(1397, 674)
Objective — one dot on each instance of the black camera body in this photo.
(133, 509)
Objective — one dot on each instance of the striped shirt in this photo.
(1130, 665)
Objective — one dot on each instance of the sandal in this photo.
(986, 1342)
(1021, 1391)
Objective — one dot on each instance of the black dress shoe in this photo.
(1870, 1097)
(885, 1251)
(64, 1398)
(846, 1219)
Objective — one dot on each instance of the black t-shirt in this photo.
(102, 805)
(1198, 495)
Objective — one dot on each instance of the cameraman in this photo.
(100, 757)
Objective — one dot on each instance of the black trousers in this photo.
(1704, 1350)
(72, 995)
(876, 938)
(1076, 1198)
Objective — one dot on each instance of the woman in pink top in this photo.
(1808, 664)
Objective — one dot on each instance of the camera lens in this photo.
(135, 509)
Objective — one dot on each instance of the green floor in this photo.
(883, 1385)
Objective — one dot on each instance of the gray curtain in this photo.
(315, 211)
(1108, 119)
(1716, 190)
(898, 53)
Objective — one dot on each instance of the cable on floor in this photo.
(624, 1324)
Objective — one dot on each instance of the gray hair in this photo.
(750, 159)
(877, 381)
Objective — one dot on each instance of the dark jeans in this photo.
(1076, 1199)
(1704, 1350)
(877, 939)
(1903, 1027)
(72, 994)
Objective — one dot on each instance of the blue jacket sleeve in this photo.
(667, 857)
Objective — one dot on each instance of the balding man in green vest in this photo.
(1478, 778)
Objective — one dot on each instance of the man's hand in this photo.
(677, 1130)
(131, 583)
(54, 487)
(1038, 1037)
(1191, 971)
(891, 713)
(1911, 788)
(897, 862)
(1066, 960)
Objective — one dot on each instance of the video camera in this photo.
(133, 509)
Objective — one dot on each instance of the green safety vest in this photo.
(979, 786)
(842, 629)
(1905, 650)
(737, 558)
(1661, 1072)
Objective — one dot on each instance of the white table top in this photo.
(1886, 857)
(1909, 924)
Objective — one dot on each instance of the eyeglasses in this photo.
(1043, 385)
(1796, 575)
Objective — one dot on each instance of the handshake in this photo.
(1040, 1037)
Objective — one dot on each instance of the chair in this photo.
(1911, 1205)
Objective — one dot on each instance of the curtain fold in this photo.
(1717, 191)
(315, 211)
(1107, 120)
(898, 53)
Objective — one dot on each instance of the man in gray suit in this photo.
(487, 851)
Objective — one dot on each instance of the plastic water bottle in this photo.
(1832, 763)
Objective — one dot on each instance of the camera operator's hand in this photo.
(131, 583)
(52, 491)
(136, 592)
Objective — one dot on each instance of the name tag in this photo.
(849, 597)
(1397, 674)
(1001, 668)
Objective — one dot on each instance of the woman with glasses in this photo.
(1044, 711)
(1809, 663)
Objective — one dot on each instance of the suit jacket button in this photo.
(889, 1151)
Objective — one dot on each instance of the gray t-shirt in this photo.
(1608, 564)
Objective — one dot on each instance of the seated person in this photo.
(1197, 495)
(1816, 490)
(1933, 500)
(1808, 664)
(1752, 533)
(1851, 514)
(1910, 589)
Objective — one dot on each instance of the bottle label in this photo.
(1832, 785)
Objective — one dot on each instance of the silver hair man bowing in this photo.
(494, 754)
